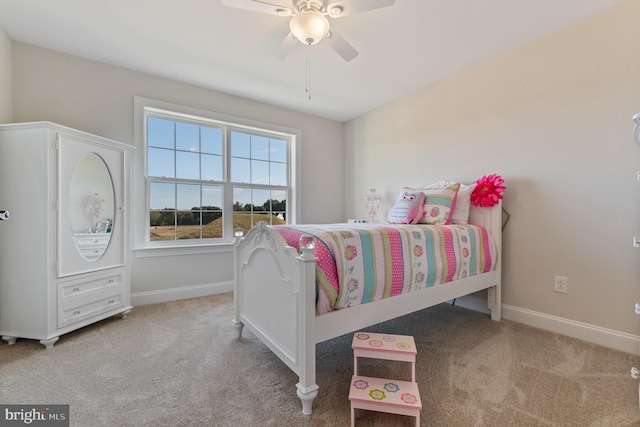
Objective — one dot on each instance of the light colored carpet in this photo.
(179, 364)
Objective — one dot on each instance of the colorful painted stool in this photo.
(384, 346)
(382, 395)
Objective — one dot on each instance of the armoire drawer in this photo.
(92, 245)
(73, 290)
(92, 240)
(84, 309)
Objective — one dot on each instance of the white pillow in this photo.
(463, 201)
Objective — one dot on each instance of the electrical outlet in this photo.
(561, 284)
(636, 242)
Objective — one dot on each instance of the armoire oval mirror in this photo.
(91, 206)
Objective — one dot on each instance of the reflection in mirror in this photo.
(91, 206)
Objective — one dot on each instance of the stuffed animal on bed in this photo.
(409, 209)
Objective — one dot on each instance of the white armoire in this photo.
(64, 252)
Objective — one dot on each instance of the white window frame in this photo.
(139, 218)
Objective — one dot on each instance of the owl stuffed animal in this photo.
(409, 209)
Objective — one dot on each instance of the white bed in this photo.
(275, 298)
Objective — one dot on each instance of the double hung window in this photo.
(205, 177)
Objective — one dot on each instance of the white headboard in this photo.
(491, 219)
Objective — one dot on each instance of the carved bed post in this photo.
(236, 274)
(494, 294)
(307, 389)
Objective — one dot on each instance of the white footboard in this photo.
(272, 301)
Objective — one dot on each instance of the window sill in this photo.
(159, 251)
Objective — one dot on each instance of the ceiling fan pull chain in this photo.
(308, 83)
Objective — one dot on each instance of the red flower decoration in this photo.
(488, 191)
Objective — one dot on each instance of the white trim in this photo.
(182, 250)
(583, 331)
(174, 294)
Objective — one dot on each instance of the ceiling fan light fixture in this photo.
(309, 26)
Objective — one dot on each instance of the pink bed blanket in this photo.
(360, 263)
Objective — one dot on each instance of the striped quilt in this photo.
(360, 263)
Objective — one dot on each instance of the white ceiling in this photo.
(402, 48)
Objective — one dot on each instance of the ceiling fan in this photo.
(309, 23)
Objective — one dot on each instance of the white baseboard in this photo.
(583, 331)
(174, 294)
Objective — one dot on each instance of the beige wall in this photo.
(98, 98)
(6, 96)
(554, 118)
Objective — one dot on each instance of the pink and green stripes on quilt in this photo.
(360, 263)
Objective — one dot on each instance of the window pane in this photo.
(212, 211)
(212, 197)
(240, 170)
(278, 150)
(278, 201)
(212, 225)
(187, 165)
(162, 225)
(259, 147)
(187, 137)
(162, 196)
(160, 133)
(241, 199)
(160, 163)
(259, 172)
(188, 225)
(240, 145)
(211, 167)
(261, 200)
(188, 197)
(278, 174)
(211, 140)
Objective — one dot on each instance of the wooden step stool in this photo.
(384, 346)
(382, 395)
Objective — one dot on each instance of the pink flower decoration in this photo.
(488, 191)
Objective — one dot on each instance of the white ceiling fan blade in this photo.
(285, 47)
(338, 9)
(273, 7)
(340, 45)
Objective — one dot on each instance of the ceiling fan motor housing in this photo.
(303, 5)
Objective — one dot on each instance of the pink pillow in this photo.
(408, 209)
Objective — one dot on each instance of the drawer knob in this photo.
(110, 280)
(76, 289)
(76, 313)
(111, 301)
